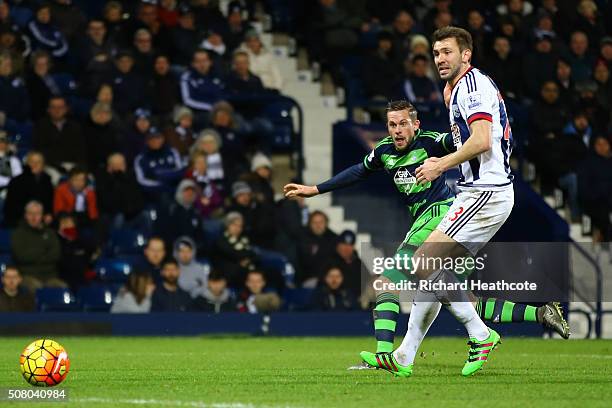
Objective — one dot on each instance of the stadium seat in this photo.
(55, 300)
(5, 241)
(297, 298)
(95, 298)
(114, 270)
(126, 241)
(5, 259)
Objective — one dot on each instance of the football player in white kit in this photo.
(482, 136)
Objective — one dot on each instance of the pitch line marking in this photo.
(176, 403)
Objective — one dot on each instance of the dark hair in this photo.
(76, 170)
(216, 275)
(420, 57)
(401, 105)
(315, 213)
(169, 261)
(463, 37)
(136, 284)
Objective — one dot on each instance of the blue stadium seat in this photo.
(55, 300)
(5, 259)
(126, 241)
(21, 16)
(65, 82)
(95, 298)
(297, 298)
(5, 241)
(279, 113)
(114, 270)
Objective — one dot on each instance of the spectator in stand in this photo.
(216, 297)
(40, 84)
(207, 13)
(261, 62)
(539, 65)
(291, 216)
(168, 12)
(168, 296)
(214, 44)
(10, 165)
(379, 69)
(13, 296)
(589, 21)
(208, 143)
(200, 87)
(235, 28)
(181, 218)
(595, 188)
(128, 87)
(565, 81)
(119, 195)
(347, 260)
(241, 80)
(77, 251)
(259, 223)
(480, 31)
(154, 255)
(69, 18)
(402, 32)
(60, 139)
(579, 57)
(604, 85)
(234, 140)
(36, 250)
(255, 297)
(185, 36)
(505, 67)
(210, 201)
(233, 254)
(103, 136)
(181, 137)
(317, 249)
(194, 275)
(417, 87)
(115, 23)
(135, 295)
(605, 51)
(45, 35)
(96, 52)
(76, 196)
(158, 167)
(14, 100)
(260, 179)
(331, 295)
(136, 137)
(31, 185)
(549, 114)
(11, 36)
(146, 17)
(144, 54)
(165, 88)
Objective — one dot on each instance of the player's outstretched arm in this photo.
(345, 178)
(478, 143)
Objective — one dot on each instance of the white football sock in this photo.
(425, 309)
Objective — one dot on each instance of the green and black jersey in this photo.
(402, 165)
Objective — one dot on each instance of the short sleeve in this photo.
(477, 99)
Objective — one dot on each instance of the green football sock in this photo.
(504, 311)
(385, 319)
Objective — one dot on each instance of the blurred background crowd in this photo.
(137, 138)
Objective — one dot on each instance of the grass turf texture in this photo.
(312, 372)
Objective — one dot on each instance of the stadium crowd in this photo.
(138, 121)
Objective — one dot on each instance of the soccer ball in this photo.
(44, 363)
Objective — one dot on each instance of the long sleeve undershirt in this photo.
(345, 178)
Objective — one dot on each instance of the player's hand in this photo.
(293, 190)
(429, 170)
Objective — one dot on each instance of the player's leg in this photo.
(549, 315)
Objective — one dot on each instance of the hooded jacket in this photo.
(194, 275)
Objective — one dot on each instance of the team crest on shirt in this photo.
(456, 112)
(403, 177)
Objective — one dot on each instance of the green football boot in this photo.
(551, 317)
(387, 362)
(479, 352)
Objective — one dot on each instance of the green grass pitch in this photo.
(230, 372)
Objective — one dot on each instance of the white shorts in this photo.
(476, 216)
